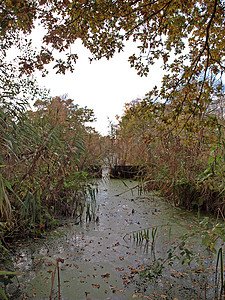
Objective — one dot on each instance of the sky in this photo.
(104, 86)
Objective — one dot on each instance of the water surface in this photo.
(101, 259)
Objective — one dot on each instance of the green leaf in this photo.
(3, 294)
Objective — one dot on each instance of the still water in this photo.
(101, 260)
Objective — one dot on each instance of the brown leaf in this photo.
(96, 286)
(105, 275)
(178, 275)
(116, 244)
(49, 271)
(119, 269)
(126, 281)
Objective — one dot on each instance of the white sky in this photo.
(105, 85)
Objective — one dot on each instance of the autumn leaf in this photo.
(119, 269)
(105, 275)
(125, 282)
(96, 285)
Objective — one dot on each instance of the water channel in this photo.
(101, 260)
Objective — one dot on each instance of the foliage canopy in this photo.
(186, 36)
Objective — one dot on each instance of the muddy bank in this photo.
(101, 260)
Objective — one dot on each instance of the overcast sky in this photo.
(105, 86)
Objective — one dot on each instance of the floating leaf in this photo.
(105, 275)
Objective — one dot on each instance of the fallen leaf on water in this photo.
(96, 286)
(129, 253)
(66, 280)
(49, 271)
(199, 271)
(178, 275)
(105, 275)
(195, 284)
(126, 281)
(121, 257)
(120, 269)
(163, 296)
(135, 296)
(76, 266)
(121, 291)
(116, 244)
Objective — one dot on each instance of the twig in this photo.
(52, 283)
(203, 287)
(127, 191)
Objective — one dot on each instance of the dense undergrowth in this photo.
(183, 158)
(44, 161)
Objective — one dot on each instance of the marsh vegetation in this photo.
(173, 137)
